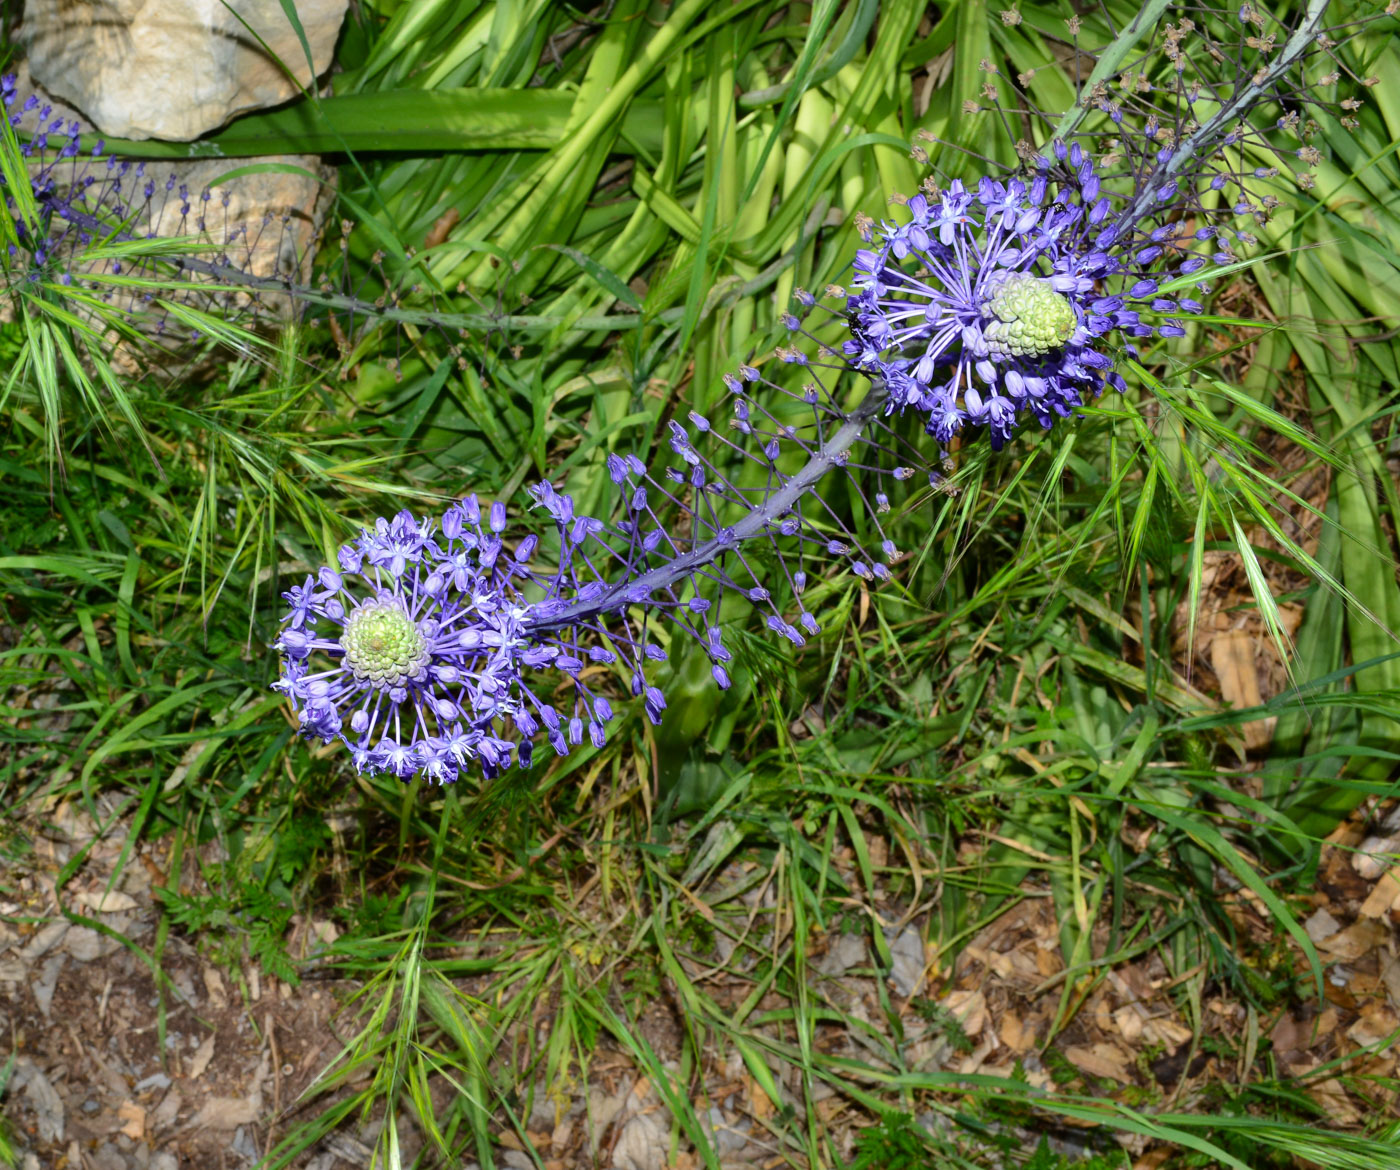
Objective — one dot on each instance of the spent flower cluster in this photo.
(123, 244)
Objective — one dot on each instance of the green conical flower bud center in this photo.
(384, 645)
(1028, 317)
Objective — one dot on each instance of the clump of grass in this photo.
(629, 201)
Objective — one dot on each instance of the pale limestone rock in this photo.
(175, 69)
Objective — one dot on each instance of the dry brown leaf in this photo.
(879, 850)
(561, 1134)
(1101, 1060)
(135, 1118)
(227, 1112)
(43, 1098)
(994, 960)
(1168, 1032)
(1390, 976)
(1103, 1014)
(214, 987)
(973, 1061)
(1133, 983)
(1291, 1034)
(1333, 1098)
(442, 226)
(1383, 896)
(108, 902)
(1153, 1158)
(1047, 961)
(166, 1112)
(969, 1008)
(1129, 1022)
(1356, 940)
(1377, 1024)
(325, 930)
(1015, 1035)
(1374, 856)
(200, 1061)
(1232, 655)
(642, 1143)
(759, 1104)
(1364, 985)
(1348, 835)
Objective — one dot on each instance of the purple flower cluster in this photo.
(410, 652)
(991, 305)
(431, 646)
(1015, 298)
(416, 651)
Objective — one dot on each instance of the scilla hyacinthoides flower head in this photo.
(418, 651)
(990, 305)
(1014, 297)
(410, 651)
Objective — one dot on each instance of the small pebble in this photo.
(108, 1157)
